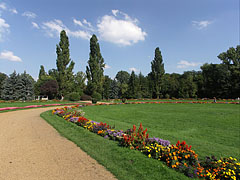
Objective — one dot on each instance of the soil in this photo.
(31, 149)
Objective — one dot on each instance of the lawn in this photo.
(22, 104)
(169, 100)
(212, 129)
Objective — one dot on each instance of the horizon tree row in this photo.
(214, 80)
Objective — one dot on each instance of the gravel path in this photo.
(30, 149)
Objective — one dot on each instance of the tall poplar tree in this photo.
(41, 72)
(64, 69)
(157, 73)
(95, 68)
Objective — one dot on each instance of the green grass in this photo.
(22, 104)
(168, 100)
(124, 163)
(211, 129)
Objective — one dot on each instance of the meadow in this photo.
(211, 129)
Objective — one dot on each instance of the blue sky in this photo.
(188, 33)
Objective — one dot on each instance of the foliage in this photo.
(2, 78)
(73, 96)
(25, 87)
(64, 69)
(18, 87)
(114, 90)
(96, 97)
(107, 87)
(95, 68)
(79, 82)
(49, 88)
(41, 72)
(157, 73)
(85, 97)
(133, 87)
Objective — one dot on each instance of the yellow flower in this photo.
(149, 155)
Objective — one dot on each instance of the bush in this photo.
(96, 97)
(74, 96)
(85, 97)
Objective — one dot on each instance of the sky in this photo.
(189, 33)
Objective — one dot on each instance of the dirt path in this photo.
(30, 149)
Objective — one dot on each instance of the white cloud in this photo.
(87, 23)
(84, 24)
(185, 64)
(14, 11)
(107, 66)
(53, 28)
(29, 14)
(123, 31)
(35, 25)
(8, 55)
(3, 6)
(115, 11)
(4, 28)
(133, 69)
(201, 24)
(77, 22)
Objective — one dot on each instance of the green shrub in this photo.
(74, 96)
(85, 97)
(96, 97)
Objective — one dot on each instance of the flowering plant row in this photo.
(180, 156)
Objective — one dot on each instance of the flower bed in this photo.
(180, 157)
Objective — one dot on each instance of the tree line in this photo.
(213, 80)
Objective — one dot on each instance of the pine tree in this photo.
(25, 87)
(114, 90)
(9, 87)
(157, 73)
(65, 74)
(95, 67)
(133, 86)
(2, 78)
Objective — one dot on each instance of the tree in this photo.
(231, 59)
(114, 90)
(157, 73)
(18, 87)
(216, 80)
(79, 82)
(122, 79)
(133, 86)
(143, 86)
(187, 86)
(107, 87)
(64, 69)
(95, 67)
(2, 78)
(25, 87)
(49, 88)
(42, 72)
(9, 91)
(40, 82)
